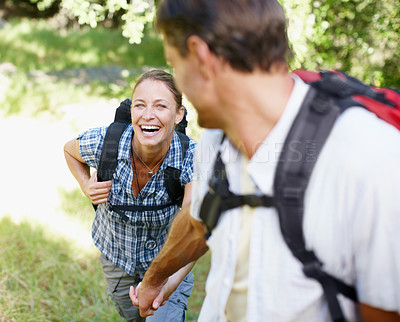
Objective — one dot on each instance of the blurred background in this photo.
(64, 67)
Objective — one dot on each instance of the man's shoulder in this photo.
(362, 130)
(209, 142)
(211, 135)
(360, 142)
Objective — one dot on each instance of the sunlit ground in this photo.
(35, 178)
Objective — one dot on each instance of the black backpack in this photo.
(109, 153)
(331, 93)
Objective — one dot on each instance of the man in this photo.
(230, 60)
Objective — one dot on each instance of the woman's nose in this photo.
(148, 113)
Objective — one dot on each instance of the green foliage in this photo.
(136, 13)
(360, 37)
(43, 4)
(33, 45)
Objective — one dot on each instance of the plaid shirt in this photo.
(133, 241)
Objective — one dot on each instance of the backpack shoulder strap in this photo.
(349, 91)
(171, 175)
(184, 140)
(219, 198)
(109, 152)
(123, 111)
(310, 129)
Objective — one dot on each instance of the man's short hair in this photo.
(248, 34)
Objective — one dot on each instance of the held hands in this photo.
(97, 192)
(150, 298)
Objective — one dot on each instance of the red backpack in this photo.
(331, 93)
(349, 91)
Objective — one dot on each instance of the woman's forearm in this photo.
(175, 279)
(79, 169)
(97, 192)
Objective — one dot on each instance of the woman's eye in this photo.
(161, 106)
(139, 105)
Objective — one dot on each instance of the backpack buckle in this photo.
(313, 269)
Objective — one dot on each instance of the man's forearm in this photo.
(370, 314)
(185, 243)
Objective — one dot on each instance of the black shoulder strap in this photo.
(171, 175)
(123, 111)
(181, 127)
(219, 198)
(109, 152)
(310, 130)
(184, 140)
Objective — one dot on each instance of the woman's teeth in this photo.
(150, 128)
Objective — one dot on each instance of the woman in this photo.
(129, 240)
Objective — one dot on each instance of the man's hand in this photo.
(149, 298)
(184, 245)
(96, 191)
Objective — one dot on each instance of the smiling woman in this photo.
(134, 208)
(156, 109)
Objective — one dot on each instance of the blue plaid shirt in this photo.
(134, 241)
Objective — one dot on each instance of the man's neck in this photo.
(255, 103)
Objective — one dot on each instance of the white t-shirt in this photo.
(351, 221)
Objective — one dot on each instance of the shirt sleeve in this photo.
(203, 165)
(187, 166)
(377, 242)
(90, 145)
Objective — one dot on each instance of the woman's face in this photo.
(154, 113)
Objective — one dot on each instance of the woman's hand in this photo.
(148, 298)
(153, 298)
(96, 191)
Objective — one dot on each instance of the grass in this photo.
(200, 271)
(43, 279)
(46, 275)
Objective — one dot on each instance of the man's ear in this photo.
(201, 53)
(180, 115)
